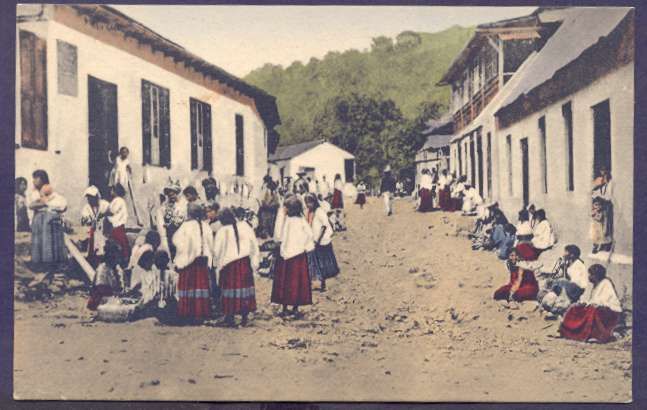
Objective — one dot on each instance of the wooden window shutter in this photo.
(165, 128)
(33, 90)
(240, 147)
(146, 121)
(194, 107)
(208, 163)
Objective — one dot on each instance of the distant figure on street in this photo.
(387, 190)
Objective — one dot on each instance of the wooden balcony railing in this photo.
(471, 110)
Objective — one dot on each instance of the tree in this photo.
(382, 44)
(408, 39)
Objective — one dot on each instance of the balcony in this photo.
(471, 110)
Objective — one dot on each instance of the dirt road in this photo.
(411, 317)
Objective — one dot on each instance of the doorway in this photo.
(525, 177)
(479, 154)
(103, 132)
(601, 137)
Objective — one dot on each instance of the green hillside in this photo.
(404, 69)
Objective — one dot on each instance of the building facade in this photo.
(558, 112)
(90, 80)
(316, 158)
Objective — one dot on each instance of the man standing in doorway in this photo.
(387, 189)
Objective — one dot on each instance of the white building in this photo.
(434, 153)
(90, 79)
(559, 107)
(316, 158)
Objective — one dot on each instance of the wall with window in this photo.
(569, 209)
(66, 154)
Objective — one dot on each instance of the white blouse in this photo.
(119, 211)
(224, 248)
(190, 245)
(543, 235)
(604, 294)
(577, 274)
(57, 203)
(338, 185)
(426, 182)
(296, 237)
(320, 220)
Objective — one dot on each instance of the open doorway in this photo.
(103, 131)
(525, 177)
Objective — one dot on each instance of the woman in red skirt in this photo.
(522, 286)
(598, 312)
(235, 257)
(118, 217)
(426, 198)
(194, 243)
(337, 196)
(291, 284)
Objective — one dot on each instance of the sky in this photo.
(242, 38)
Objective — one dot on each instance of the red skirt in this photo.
(444, 199)
(527, 252)
(337, 200)
(426, 201)
(589, 322)
(291, 284)
(193, 290)
(361, 199)
(528, 289)
(97, 293)
(238, 295)
(118, 235)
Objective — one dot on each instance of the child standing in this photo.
(92, 215)
(118, 217)
(324, 263)
(22, 218)
(291, 284)
(235, 258)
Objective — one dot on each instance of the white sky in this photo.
(242, 38)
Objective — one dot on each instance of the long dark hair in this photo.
(227, 217)
(42, 175)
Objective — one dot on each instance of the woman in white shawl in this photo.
(93, 215)
(235, 258)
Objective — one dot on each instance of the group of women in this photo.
(443, 191)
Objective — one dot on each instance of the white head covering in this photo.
(92, 191)
(387, 168)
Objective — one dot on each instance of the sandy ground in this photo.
(410, 318)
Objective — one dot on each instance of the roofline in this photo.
(265, 103)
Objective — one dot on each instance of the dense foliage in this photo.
(372, 103)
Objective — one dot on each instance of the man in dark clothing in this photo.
(387, 190)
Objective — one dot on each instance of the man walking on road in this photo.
(387, 190)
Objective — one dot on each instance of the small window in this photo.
(201, 145)
(240, 145)
(544, 161)
(601, 137)
(567, 114)
(33, 91)
(67, 68)
(156, 126)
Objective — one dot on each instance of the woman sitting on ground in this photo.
(543, 236)
(597, 314)
(522, 285)
(109, 278)
(523, 246)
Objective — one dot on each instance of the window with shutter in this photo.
(156, 127)
(33, 91)
(200, 135)
(240, 146)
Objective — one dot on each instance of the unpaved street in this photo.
(411, 317)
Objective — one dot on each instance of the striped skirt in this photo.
(47, 239)
(193, 290)
(291, 284)
(238, 295)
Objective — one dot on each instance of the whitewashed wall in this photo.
(569, 211)
(326, 158)
(68, 120)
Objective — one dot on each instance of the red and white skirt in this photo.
(238, 295)
(589, 322)
(291, 284)
(337, 200)
(193, 290)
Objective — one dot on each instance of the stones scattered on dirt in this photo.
(154, 382)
